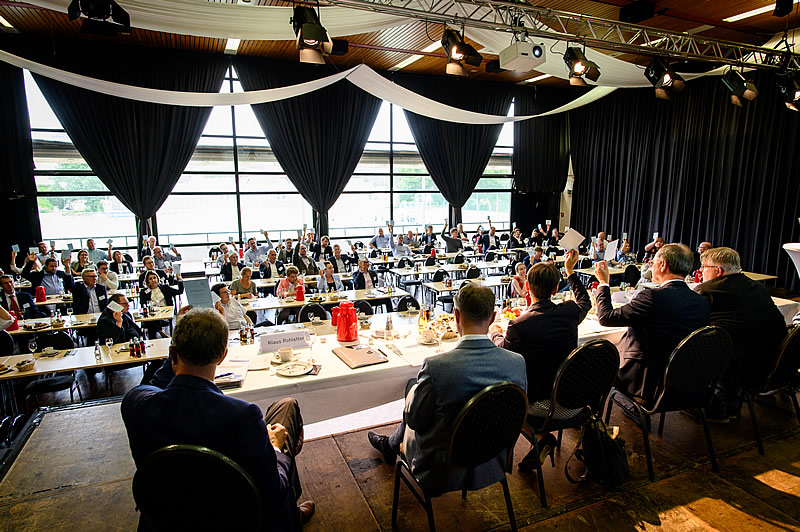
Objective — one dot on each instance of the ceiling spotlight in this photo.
(664, 79)
(98, 13)
(789, 88)
(458, 52)
(311, 38)
(740, 88)
(580, 67)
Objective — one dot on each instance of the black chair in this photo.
(430, 261)
(511, 269)
(127, 257)
(554, 250)
(54, 382)
(214, 251)
(427, 249)
(438, 277)
(692, 373)
(632, 275)
(490, 256)
(405, 281)
(473, 272)
(57, 340)
(309, 310)
(584, 263)
(405, 262)
(374, 253)
(285, 316)
(363, 306)
(405, 302)
(782, 377)
(640, 255)
(459, 259)
(581, 385)
(504, 237)
(583, 250)
(488, 425)
(6, 344)
(358, 244)
(178, 488)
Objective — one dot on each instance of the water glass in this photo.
(109, 343)
(69, 313)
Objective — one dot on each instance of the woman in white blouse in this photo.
(328, 280)
(161, 295)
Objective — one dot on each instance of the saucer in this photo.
(420, 341)
(276, 359)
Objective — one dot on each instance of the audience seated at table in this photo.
(161, 295)
(744, 308)
(327, 280)
(652, 248)
(535, 259)
(462, 234)
(106, 277)
(286, 252)
(399, 249)
(444, 384)
(272, 268)
(192, 410)
(701, 248)
(343, 262)
(148, 247)
(657, 320)
(545, 334)
(365, 278)
(322, 250)
(93, 253)
(244, 286)
(625, 255)
(536, 238)
(77, 266)
(597, 249)
(21, 303)
(255, 253)
(518, 287)
(233, 311)
(149, 266)
(411, 240)
(288, 285)
(490, 240)
(119, 265)
(231, 270)
(44, 254)
(453, 242)
(553, 238)
(224, 254)
(53, 280)
(118, 326)
(303, 262)
(428, 239)
(379, 241)
(163, 260)
(89, 297)
(516, 240)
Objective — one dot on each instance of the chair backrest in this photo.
(311, 309)
(488, 424)
(405, 262)
(57, 340)
(504, 237)
(551, 249)
(439, 276)
(188, 487)
(584, 263)
(212, 251)
(694, 368)
(363, 306)
(373, 253)
(430, 261)
(405, 302)
(427, 249)
(511, 269)
(489, 257)
(127, 257)
(787, 363)
(284, 316)
(585, 378)
(632, 275)
(473, 272)
(459, 259)
(640, 255)
(358, 244)
(6, 344)
(582, 249)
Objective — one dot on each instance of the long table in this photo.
(84, 321)
(324, 299)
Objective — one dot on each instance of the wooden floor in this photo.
(75, 473)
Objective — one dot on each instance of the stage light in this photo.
(789, 88)
(740, 88)
(311, 38)
(663, 78)
(580, 67)
(98, 13)
(458, 52)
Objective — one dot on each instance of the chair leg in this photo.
(661, 423)
(646, 437)
(396, 496)
(793, 396)
(509, 506)
(464, 494)
(714, 465)
(753, 420)
(429, 511)
(608, 408)
(560, 434)
(539, 474)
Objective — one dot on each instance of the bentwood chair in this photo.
(54, 382)
(691, 376)
(363, 306)
(784, 376)
(188, 487)
(405, 302)
(581, 385)
(487, 427)
(311, 309)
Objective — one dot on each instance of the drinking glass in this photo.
(109, 343)
(32, 344)
(69, 313)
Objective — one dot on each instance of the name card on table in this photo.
(294, 339)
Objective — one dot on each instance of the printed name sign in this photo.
(294, 339)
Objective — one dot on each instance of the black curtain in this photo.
(319, 137)
(695, 168)
(456, 154)
(541, 155)
(18, 205)
(137, 149)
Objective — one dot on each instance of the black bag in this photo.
(604, 458)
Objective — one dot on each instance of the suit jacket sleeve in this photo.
(629, 314)
(582, 297)
(420, 409)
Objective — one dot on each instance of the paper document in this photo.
(198, 294)
(176, 268)
(33, 250)
(611, 250)
(113, 306)
(571, 240)
(70, 247)
(66, 254)
(15, 248)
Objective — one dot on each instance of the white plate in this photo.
(294, 369)
(420, 341)
(259, 365)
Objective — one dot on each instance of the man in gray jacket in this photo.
(444, 385)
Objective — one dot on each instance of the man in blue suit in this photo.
(192, 410)
(444, 385)
(88, 297)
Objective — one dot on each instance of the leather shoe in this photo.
(306, 510)
(381, 443)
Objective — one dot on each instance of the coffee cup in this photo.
(48, 350)
(285, 353)
(316, 320)
(93, 320)
(428, 336)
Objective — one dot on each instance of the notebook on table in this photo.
(358, 356)
(230, 374)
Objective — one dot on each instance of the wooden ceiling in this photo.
(371, 48)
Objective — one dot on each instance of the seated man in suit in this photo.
(117, 325)
(150, 266)
(490, 240)
(657, 319)
(148, 247)
(744, 308)
(364, 278)
(428, 239)
(88, 296)
(343, 262)
(444, 385)
(21, 303)
(272, 268)
(303, 262)
(192, 410)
